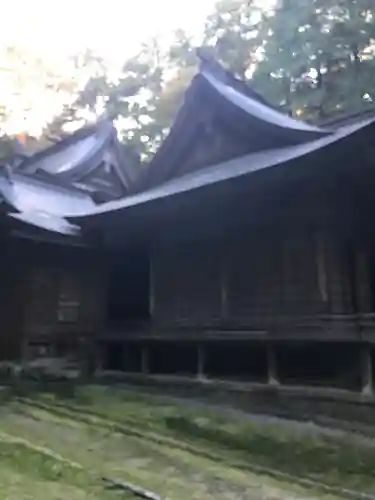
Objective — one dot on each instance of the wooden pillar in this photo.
(201, 362)
(338, 280)
(224, 295)
(99, 355)
(321, 266)
(91, 356)
(224, 283)
(145, 361)
(272, 365)
(366, 370)
(363, 292)
(151, 289)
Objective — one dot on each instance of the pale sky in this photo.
(52, 30)
(113, 27)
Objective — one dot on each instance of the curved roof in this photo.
(239, 167)
(25, 193)
(268, 139)
(260, 110)
(41, 203)
(237, 112)
(71, 154)
(78, 157)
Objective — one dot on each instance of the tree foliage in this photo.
(142, 99)
(313, 58)
(233, 29)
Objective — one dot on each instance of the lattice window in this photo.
(69, 302)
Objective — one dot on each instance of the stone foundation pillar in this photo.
(366, 371)
(272, 366)
(145, 361)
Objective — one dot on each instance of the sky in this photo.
(53, 30)
(114, 28)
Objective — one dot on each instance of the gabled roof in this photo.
(78, 156)
(42, 203)
(259, 137)
(66, 178)
(234, 169)
(62, 210)
(235, 112)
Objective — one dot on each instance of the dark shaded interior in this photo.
(331, 364)
(178, 358)
(245, 360)
(132, 361)
(372, 277)
(314, 364)
(121, 356)
(113, 356)
(129, 289)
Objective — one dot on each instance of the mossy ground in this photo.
(172, 472)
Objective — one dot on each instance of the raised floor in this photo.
(347, 366)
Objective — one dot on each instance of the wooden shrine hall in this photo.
(244, 250)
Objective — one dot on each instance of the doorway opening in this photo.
(129, 289)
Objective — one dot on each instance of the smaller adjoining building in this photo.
(53, 289)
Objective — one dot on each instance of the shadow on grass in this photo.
(334, 462)
(64, 389)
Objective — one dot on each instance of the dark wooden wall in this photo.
(12, 299)
(290, 259)
(62, 300)
(50, 295)
(291, 282)
(186, 285)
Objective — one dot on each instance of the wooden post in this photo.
(366, 371)
(224, 295)
(201, 362)
(24, 352)
(272, 365)
(321, 266)
(145, 360)
(99, 364)
(224, 284)
(151, 289)
(363, 285)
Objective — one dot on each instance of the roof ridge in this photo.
(70, 139)
(208, 64)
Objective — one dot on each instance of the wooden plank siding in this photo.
(286, 284)
(187, 285)
(63, 301)
(12, 299)
(254, 286)
(49, 295)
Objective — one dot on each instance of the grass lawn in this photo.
(28, 474)
(100, 448)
